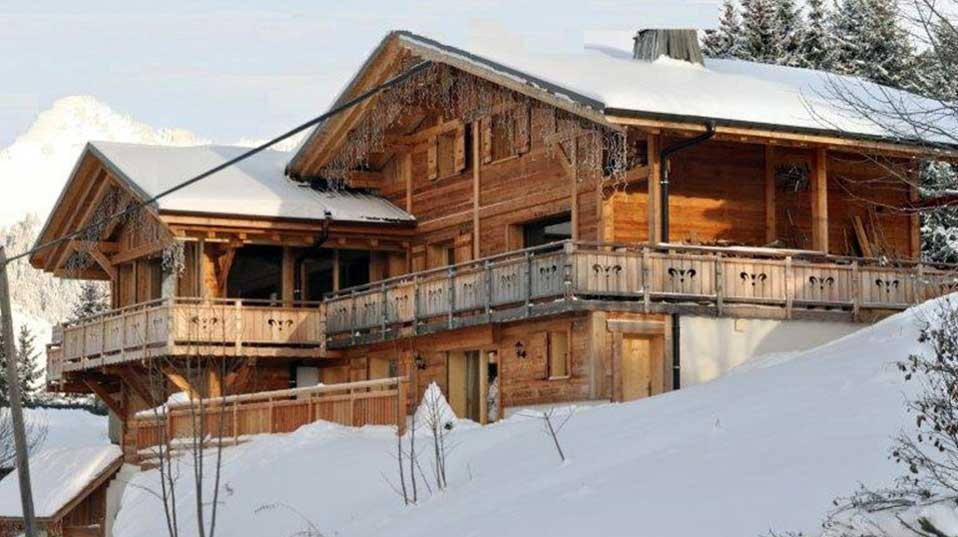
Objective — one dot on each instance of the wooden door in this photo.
(642, 367)
(464, 384)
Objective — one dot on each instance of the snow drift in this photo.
(768, 447)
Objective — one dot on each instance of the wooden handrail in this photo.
(288, 393)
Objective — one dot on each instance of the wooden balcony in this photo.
(754, 282)
(186, 326)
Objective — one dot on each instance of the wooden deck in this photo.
(370, 402)
(755, 282)
(186, 326)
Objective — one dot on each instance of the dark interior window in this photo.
(256, 273)
(553, 229)
(353, 268)
(319, 276)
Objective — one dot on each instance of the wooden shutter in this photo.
(523, 129)
(419, 258)
(460, 149)
(432, 158)
(485, 130)
(464, 248)
(558, 354)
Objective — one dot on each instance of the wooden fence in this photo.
(371, 402)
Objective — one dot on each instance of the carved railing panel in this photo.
(611, 273)
(434, 296)
(470, 289)
(399, 302)
(547, 274)
(682, 275)
(886, 287)
(826, 284)
(509, 281)
(754, 280)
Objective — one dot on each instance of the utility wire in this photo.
(239, 158)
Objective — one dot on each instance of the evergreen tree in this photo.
(761, 41)
(790, 29)
(870, 42)
(814, 51)
(28, 370)
(726, 41)
(92, 301)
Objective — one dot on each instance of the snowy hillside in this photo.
(768, 447)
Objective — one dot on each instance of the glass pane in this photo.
(353, 268)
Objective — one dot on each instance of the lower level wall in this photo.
(710, 347)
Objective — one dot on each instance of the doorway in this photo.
(465, 382)
(643, 363)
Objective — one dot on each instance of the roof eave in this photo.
(616, 116)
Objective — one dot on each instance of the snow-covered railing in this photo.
(568, 275)
(230, 418)
(173, 326)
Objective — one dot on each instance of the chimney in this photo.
(676, 44)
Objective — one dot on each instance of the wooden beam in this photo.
(914, 223)
(131, 378)
(116, 406)
(144, 250)
(771, 223)
(655, 222)
(574, 190)
(181, 382)
(289, 276)
(366, 179)
(476, 185)
(407, 177)
(639, 173)
(819, 193)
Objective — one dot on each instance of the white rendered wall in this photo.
(710, 346)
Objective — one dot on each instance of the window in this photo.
(318, 277)
(558, 354)
(353, 268)
(256, 273)
(547, 230)
(442, 254)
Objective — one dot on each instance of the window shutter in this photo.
(460, 149)
(464, 248)
(419, 258)
(486, 135)
(523, 129)
(432, 157)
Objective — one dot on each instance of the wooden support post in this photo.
(914, 223)
(771, 222)
(819, 192)
(289, 277)
(574, 189)
(476, 187)
(407, 177)
(655, 221)
(16, 408)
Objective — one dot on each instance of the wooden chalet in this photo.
(605, 227)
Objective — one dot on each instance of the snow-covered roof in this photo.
(605, 80)
(256, 186)
(57, 476)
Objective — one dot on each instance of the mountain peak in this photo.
(39, 161)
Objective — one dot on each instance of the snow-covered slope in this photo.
(768, 447)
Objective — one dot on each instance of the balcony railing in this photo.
(567, 276)
(170, 327)
(370, 402)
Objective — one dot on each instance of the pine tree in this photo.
(92, 301)
(790, 27)
(726, 41)
(870, 42)
(760, 32)
(28, 370)
(813, 50)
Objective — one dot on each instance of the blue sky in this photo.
(233, 69)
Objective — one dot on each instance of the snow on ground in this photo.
(768, 447)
